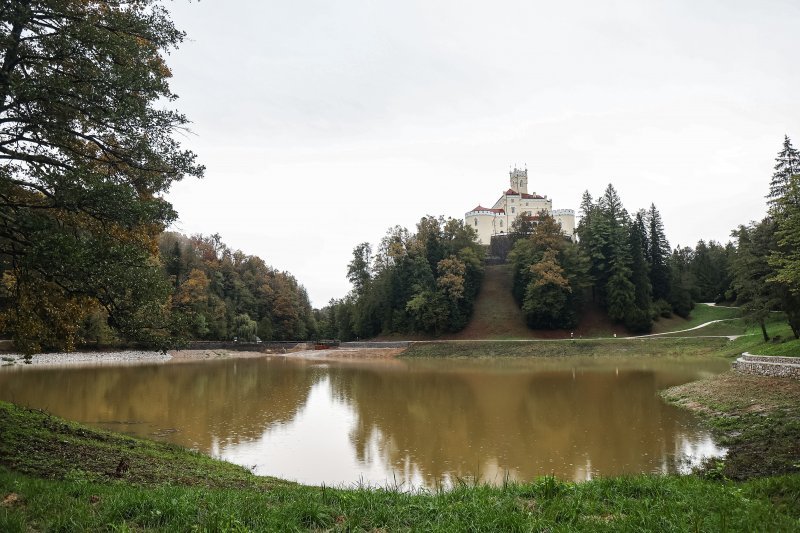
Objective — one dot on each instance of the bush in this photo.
(661, 309)
(638, 321)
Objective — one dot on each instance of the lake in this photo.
(405, 422)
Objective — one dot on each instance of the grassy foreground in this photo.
(57, 475)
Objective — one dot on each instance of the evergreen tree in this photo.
(787, 164)
(617, 290)
(710, 269)
(638, 318)
(680, 281)
(659, 252)
(175, 264)
(751, 272)
(785, 259)
(592, 234)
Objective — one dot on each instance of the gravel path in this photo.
(16, 360)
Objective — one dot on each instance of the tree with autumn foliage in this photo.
(422, 282)
(86, 152)
(550, 275)
(222, 294)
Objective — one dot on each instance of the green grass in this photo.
(782, 341)
(790, 348)
(638, 503)
(36, 443)
(655, 346)
(699, 315)
(730, 327)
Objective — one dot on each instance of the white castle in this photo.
(516, 202)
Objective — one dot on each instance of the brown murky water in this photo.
(415, 422)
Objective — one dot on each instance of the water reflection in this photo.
(412, 422)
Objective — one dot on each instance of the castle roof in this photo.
(481, 208)
(512, 192)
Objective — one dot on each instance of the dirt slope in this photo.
(496, 315)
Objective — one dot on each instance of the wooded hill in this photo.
(619, 262)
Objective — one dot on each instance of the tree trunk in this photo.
(764, 330)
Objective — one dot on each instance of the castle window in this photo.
(501, 223)
(476, 221)
(512, 209)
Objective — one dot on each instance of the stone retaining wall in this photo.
(766, 365)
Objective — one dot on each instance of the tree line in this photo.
(624, 264)
(422, 282)
(620, 263)
(766, 265)
(87, 152)
(221, 294)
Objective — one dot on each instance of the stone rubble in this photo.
(50, 359)
(767, 365)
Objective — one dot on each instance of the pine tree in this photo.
(638, 319)
(787, 164)
(659, 252)
(592, 235)
(751, 270)
(680, 298)
(785, 259)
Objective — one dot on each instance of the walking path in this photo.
(704, 324)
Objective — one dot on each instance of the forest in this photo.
(425, 282)
(623, 263)
(618, 262)
(221, 294)
(86, 257)
(415, 283)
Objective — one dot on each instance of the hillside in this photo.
(497, 316)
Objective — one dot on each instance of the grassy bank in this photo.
(701, 314)
(757, 418)
(655, 346)
(56, 475)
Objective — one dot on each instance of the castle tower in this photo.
(519, 180)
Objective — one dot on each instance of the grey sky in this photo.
(324, 123)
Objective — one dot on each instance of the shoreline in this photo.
(124, 357)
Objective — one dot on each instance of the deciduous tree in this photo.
(86, 151)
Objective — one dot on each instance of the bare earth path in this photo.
(496, 314)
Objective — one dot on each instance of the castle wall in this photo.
(494, 223)
(482, 222)
(566, 217)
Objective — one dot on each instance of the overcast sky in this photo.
(324, 123)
